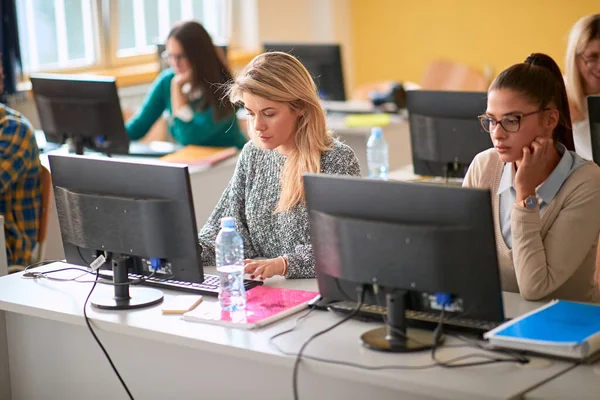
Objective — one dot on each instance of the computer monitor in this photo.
(164, 63)
(445, 133)
(414, 241)
(141, 215)
(83, 109)
(323, 61)
(594, 117)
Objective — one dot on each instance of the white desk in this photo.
(208, 184)
(581, 383)
(53, 356)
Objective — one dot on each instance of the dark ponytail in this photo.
(539, 78)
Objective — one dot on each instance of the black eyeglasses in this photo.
(590, 62)
(174, 57)
(510, 123)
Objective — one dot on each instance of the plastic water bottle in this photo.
(230, 265)
(377, 154)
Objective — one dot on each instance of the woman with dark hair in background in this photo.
(545, 197)
(191, 93)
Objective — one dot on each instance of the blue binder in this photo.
(560, 328)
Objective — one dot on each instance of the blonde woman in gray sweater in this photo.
(545, 197)
(266, 194)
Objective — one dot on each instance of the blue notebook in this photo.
(560, 328)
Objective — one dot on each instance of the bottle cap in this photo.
(227, 222)
(377, 132)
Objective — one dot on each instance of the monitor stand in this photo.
(76, 145)
(395, 336)
(140, 297)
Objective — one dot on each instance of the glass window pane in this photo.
(23, 35)
(174, 11)
(126, 25)
(151, 15)
(45, 31)
(75, 35)
(198, 9)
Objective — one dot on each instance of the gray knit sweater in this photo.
(251, 198)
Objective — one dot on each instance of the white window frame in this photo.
(103, 31)
(145, 54)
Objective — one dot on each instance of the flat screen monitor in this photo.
(594, 117)
(139, 215)
(323, 61)
(445, 133)
(82, 109)
(414, 241)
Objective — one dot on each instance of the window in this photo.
(154, 19)
(71, 34)
(55, 34)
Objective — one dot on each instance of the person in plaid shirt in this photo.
(20, 185)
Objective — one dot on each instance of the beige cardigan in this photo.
(553, 255)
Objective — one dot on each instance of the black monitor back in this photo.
(323, 62)
(594, 117)
(83, 108)
(445, 133)
(407, 236)
(134, 209)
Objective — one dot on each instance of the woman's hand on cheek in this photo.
(533, 170)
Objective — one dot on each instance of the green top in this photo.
(201, 130)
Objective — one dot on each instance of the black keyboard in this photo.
(417, 319)
(210, 286)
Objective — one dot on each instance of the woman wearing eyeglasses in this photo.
(191, 93)
(583, 77)
(545, 197)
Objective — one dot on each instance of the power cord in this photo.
(89, 325)
(361, 294)
(452, 363)
(40, 263)
(46, 275)
(437, 334)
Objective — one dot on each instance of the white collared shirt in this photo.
(545, 193)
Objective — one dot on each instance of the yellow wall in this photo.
(396, 39)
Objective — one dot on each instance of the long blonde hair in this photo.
(583, 32)
(280, 77)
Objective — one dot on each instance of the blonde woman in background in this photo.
(266, 194)
(583, 77)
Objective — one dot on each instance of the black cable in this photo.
(40, 263)
(45, 274)
(446, 364)
(316, 335)
(437, 335)
(89, 325)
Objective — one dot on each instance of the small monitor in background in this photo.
(409, 247)
(85, 111)
(445, 133)
(163, 62)
(323, 61)
(141, 216)
(594, 117)
(82, 109)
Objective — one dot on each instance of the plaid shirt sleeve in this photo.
(20, 186)
(15, 150)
